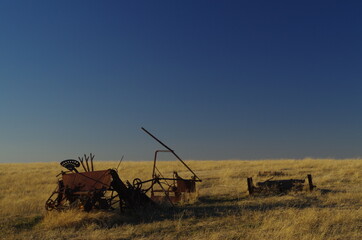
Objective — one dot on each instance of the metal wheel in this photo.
(137, 183)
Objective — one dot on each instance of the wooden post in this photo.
(250, 185)
(310, 181)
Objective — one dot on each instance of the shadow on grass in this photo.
(324, 191)
(18, 224)
(27, 223)
(208, 207)
(205, 207)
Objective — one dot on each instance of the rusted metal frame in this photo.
(176, 179)
(156, 176)
(154, 161)
(115, 202)
(157, 180)
(195, 176)
(162, 177)
(153, 180)
(150, 180)
(81, 161)
(113, 197)
(122, 190)
(93, 179)
(100, 178)
(57, 202)
(47, 202)
(89, 192)
(155, 165)
(166, 193)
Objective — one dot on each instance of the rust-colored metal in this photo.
(94, 190)
(86, 162)
(103, 189)
(81, 162)
(88, 181)
(172, 151)
(172, 190)
(91, 161)
(279, 186)
(169, 189)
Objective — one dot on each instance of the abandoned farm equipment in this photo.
(104, 189)
(93, 189)
(279, 186)
(168, 189)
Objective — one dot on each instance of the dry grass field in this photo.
(224, 210)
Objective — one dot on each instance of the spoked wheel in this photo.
(137, 183)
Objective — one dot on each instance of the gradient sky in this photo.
(212, 79)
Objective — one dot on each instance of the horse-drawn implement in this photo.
(104, 189)
(94, 190)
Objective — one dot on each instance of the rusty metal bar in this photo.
(166, 193)
(172, 153)
(81, 161)
(154, 161)
(119, 163)
(91, 161)
(86, 161)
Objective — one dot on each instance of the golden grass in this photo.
(224, 210)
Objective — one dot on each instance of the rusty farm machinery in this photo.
(103, 189)
(92, 189)
(81, 186)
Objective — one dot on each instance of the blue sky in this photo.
(212, 79)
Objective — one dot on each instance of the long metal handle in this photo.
(171, 152)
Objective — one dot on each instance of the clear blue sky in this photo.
(212, 79)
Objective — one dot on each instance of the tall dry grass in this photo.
(224, 210)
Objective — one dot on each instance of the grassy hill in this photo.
(223, 210)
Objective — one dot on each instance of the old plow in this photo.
(103, 189)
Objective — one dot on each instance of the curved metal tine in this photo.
(81, 162)
(91, 158)
(86, 161)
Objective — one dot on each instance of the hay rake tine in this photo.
(86, 161)
(81, 162)
(91, 161)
